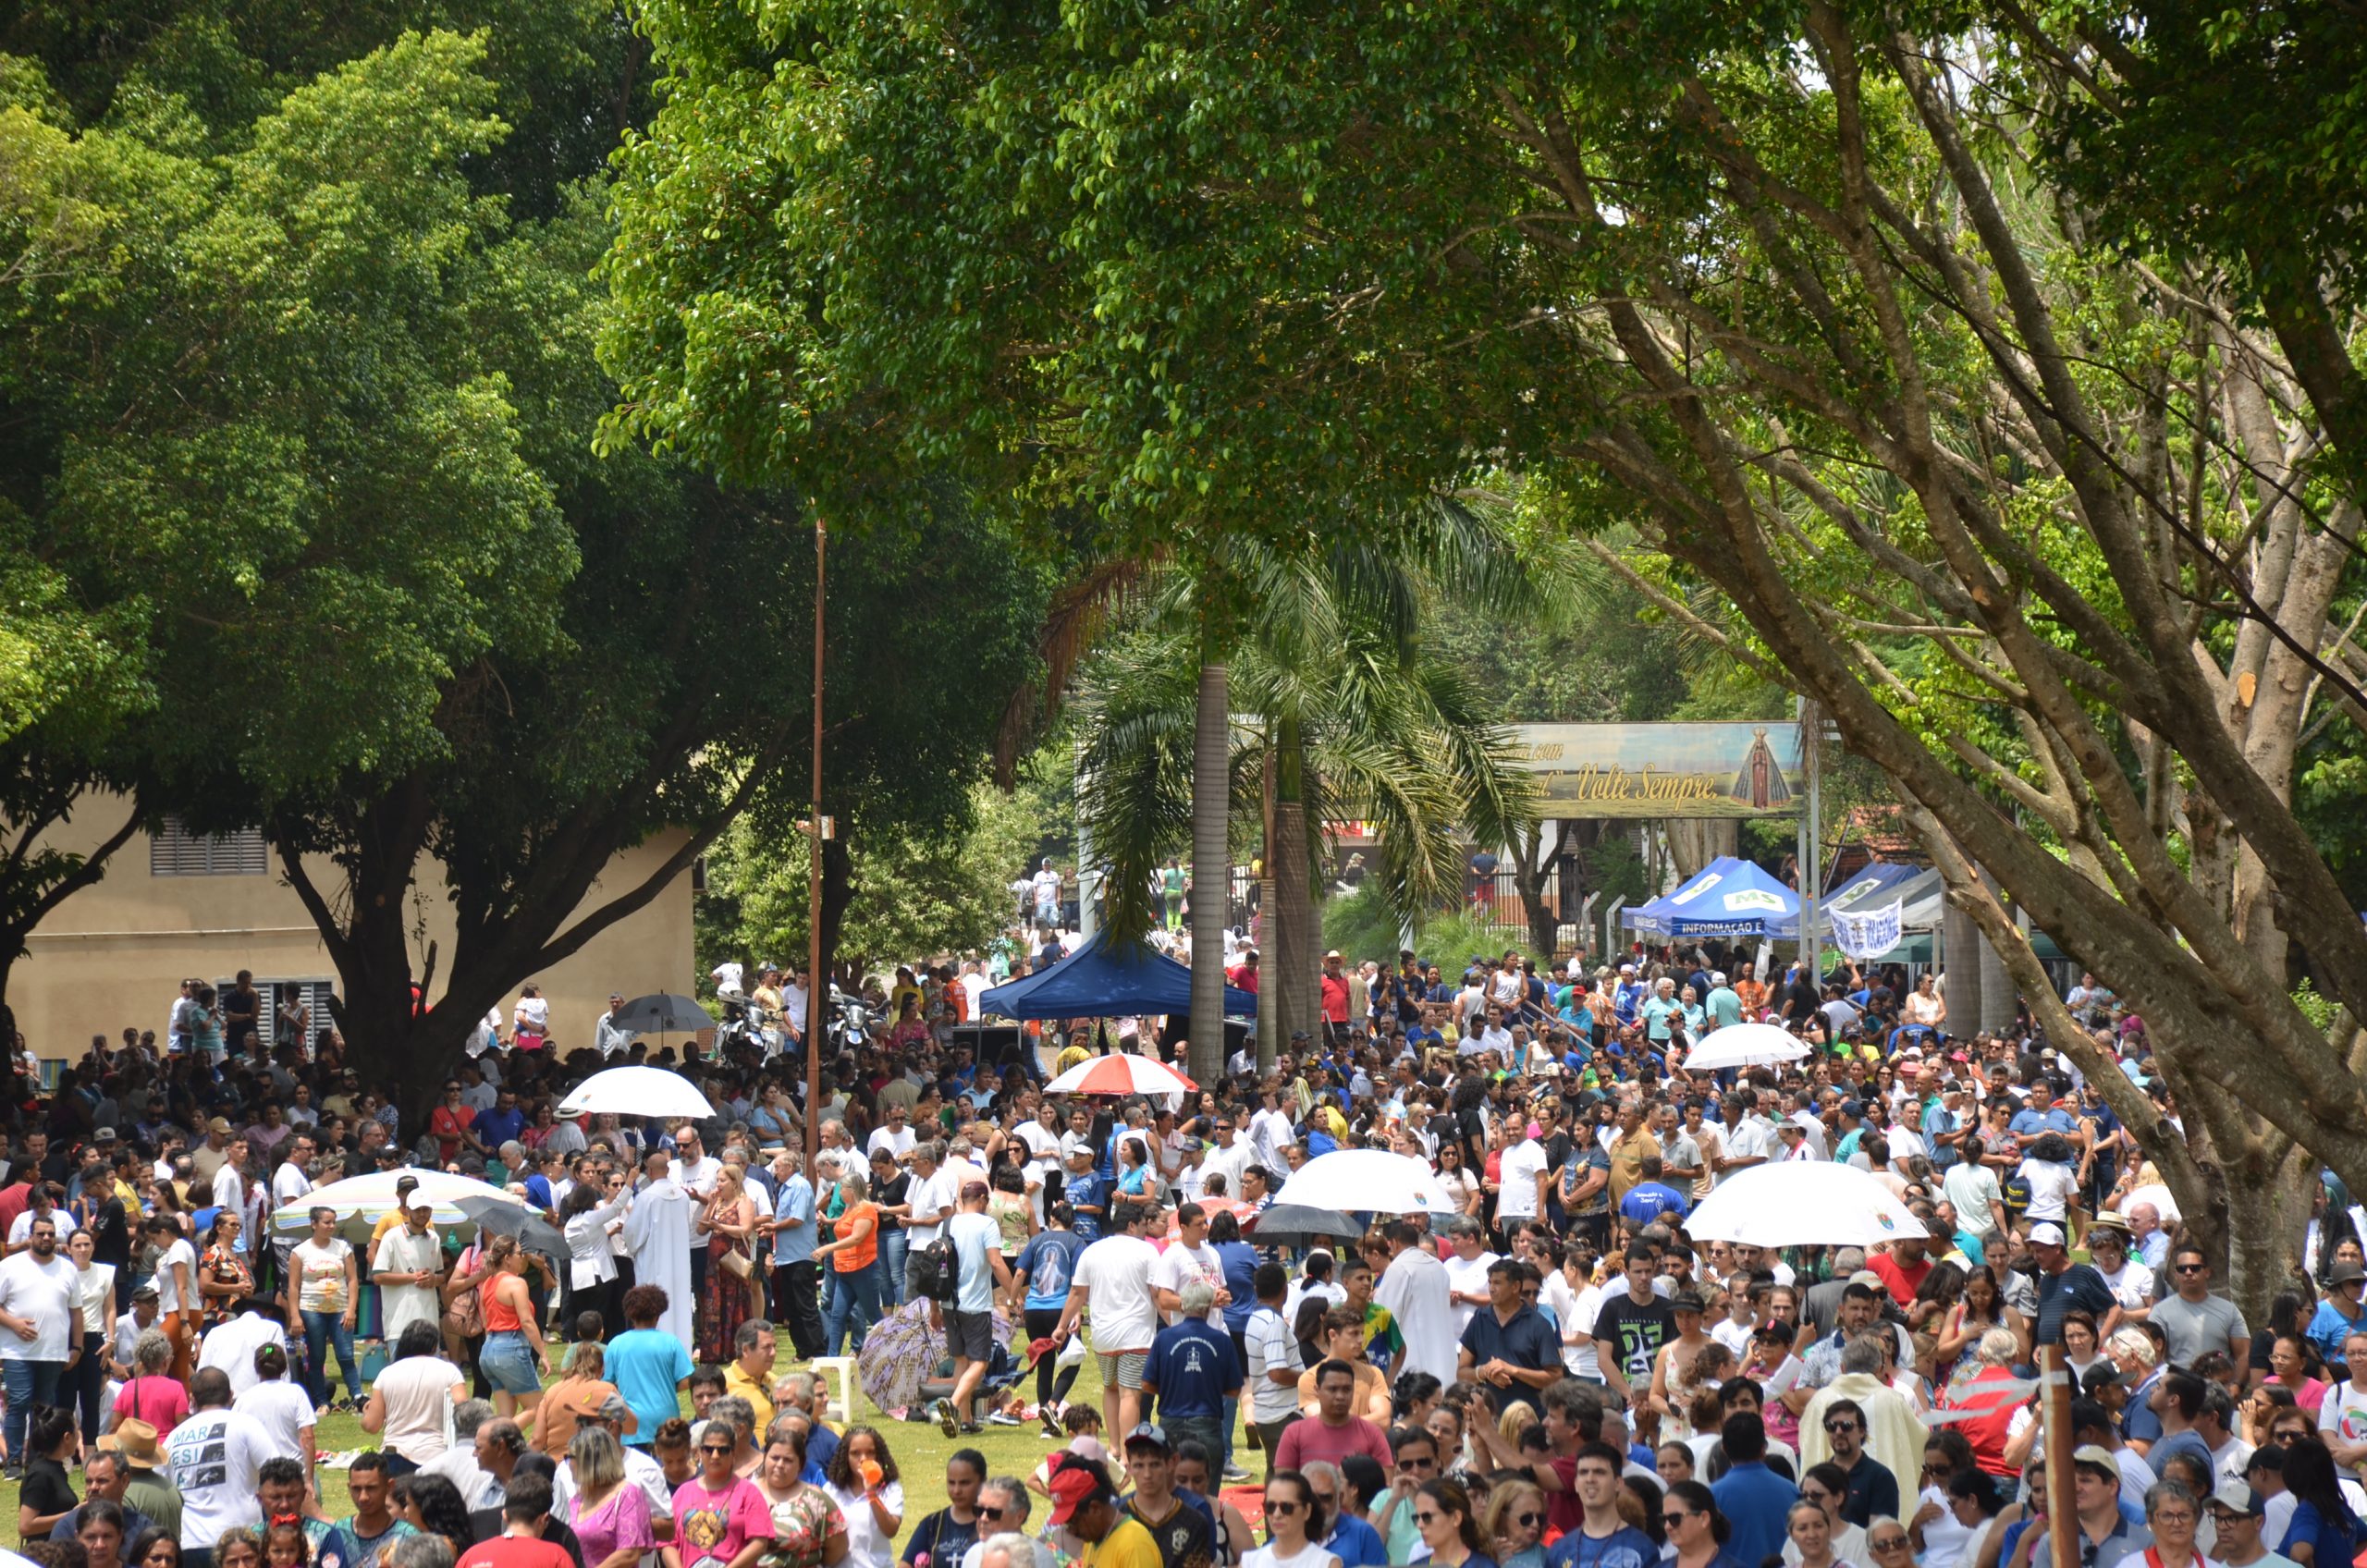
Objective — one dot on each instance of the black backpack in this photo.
(936, 1274)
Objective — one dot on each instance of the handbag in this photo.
(739, 1264)
(465, 1316)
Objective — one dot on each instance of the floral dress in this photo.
(220, 1266)
(802, 1524)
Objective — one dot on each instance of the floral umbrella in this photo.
(901, 1351)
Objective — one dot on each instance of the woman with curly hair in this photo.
(433, 1506)
(862, 1480)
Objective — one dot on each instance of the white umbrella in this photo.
(1802, 1202)
(637, 1091)
(1120, 1075)
(362, 1201)
(1366, 1182)
(1745, 1044)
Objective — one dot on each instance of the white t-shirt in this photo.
(213, 1458)
(2052, 1187)
(282, 1410)
(43, 1292)
(288, 1186)
(321, 1270)
(1180, 1265)
(1467, 1275)
(930, 1198)
(1115, 1273)
(698, 1177)
(230, 1189)
(1516, 1195)
(866, 1548)
(168, 1289)
(898, 1145)
(404, 1251)
(1310, 1556)
(1573, 1310)
(417, 1392)
(230, 1348)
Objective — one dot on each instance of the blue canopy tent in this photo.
(1104, 979)
(1726, 897)
(1874, 887)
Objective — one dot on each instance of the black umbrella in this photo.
(1289, 1224)
(495, 1217)
(662, 1013)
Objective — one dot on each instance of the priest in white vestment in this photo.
(657, 1234)
(1414, 1288)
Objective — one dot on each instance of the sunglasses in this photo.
(1417, 1464)
(1530, 1520)
(2186, 1268)
(1431, 1518)
(1894, 1543)
(1841, 1429)
(1668, 1516)
(724, 1449)
(1284, 1508)
(985, 1512)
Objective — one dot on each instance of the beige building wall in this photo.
(113, 955)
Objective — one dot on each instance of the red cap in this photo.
(1071, 1489)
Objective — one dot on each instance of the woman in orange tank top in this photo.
(513, 1359)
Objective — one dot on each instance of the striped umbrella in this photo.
(1120, 1075)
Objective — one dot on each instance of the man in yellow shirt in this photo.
(750, 1373)
(1627, 1151)
(1085, 1502)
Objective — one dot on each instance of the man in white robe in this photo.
(657, 1234)
(1414, 1288)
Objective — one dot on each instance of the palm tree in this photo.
(1325, 706)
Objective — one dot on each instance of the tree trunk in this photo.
(1297, 995)
(1211, 749)
(838, 892)
(1535, 855)
(1696, 841)
(1270, 1032)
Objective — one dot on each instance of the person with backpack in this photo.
(965, 1269)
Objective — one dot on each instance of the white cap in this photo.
(1627, 969)
(2046, 1234)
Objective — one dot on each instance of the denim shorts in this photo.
(508, 1363)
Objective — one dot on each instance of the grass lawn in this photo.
(919, 1449)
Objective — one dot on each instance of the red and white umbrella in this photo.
(1120, 1075)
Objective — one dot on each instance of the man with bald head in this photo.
(2148, 1241)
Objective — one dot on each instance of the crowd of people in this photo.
(1548, 1372)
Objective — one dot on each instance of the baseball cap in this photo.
(219, 1125)
(2046, 1234)
(2237, 1498)
(1851, 1108)
(104, 1135)
(1071, 1487)
(2095, 1456)
(1147, 1434)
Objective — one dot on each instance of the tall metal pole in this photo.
(816, 983)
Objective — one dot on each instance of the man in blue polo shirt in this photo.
(1192, 1370)
(1509, 1349)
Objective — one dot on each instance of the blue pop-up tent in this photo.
(1726, 897)
(1103, 979)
